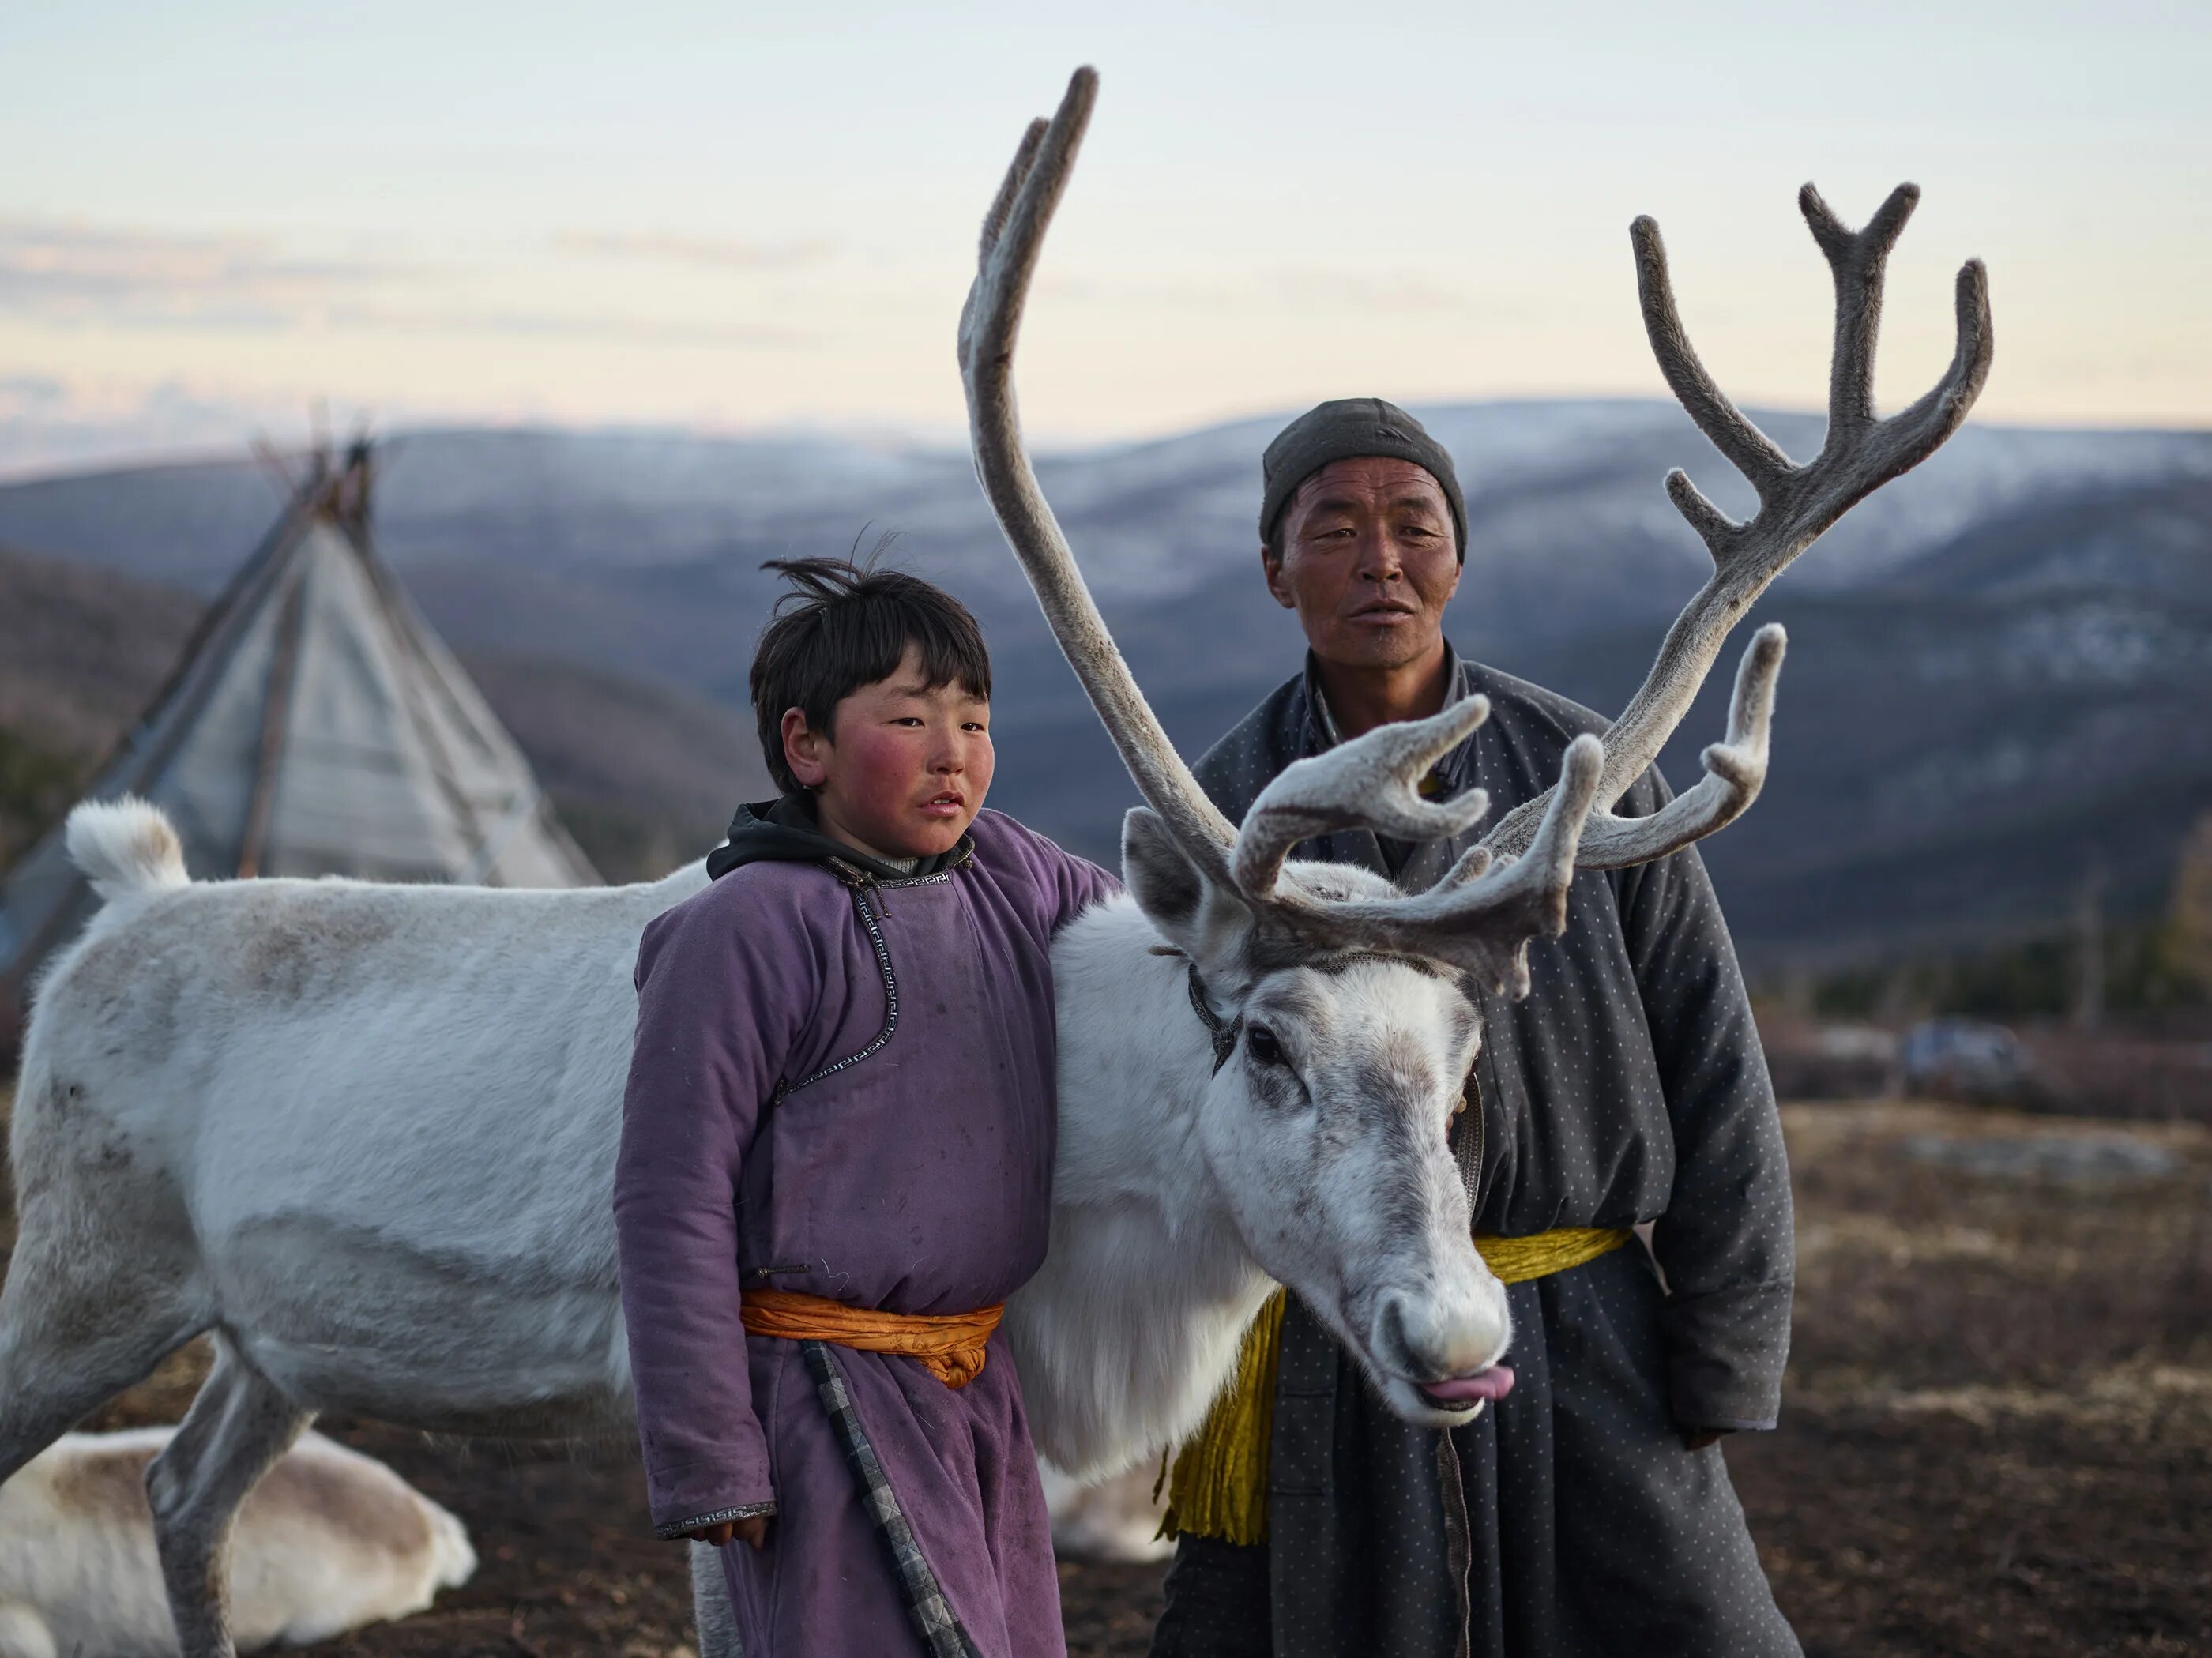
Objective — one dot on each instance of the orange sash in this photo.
(951, 1345)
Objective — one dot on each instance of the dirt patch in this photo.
(1998, 1427)
(1997, 1437)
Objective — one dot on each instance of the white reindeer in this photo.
(365, 1135)
(329, 1541)
(1116, 1521)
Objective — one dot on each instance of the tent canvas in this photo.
(316, 726)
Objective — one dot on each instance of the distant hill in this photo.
(1996, 670)
(82, 650)
(643, 775)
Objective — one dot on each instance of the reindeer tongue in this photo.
(1495, 1383)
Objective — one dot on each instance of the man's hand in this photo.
(752, 1530)
(1698, 1439)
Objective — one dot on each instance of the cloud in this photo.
(1364, 289)
(568, 325)
(1335, 287)
(708, 252)
(79, 273)
(49, 423)
(30, 394)
(67, 276)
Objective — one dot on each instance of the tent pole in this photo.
(276, 720)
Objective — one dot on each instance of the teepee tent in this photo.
(315, 727)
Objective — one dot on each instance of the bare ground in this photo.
(1997, 1437)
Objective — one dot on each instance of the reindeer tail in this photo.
(125, 848)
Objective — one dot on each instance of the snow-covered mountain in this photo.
(1999, 667)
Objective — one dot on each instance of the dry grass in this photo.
(1912, 1274)
(1998, 1434)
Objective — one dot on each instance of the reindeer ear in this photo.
(1166, 884)
(1192, 912)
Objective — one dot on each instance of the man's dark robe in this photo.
(1629, 1086)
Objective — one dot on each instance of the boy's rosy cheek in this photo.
(883, 771)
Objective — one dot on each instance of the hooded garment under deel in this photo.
(842, 1086)
(1570, 1521)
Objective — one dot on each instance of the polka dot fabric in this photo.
(1568, 1519)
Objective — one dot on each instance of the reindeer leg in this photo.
(82, 1317)
(717, 1623)
(237, 1428)
(63, 1355)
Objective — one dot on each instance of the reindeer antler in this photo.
(1370, 784)
(1476, 917)
(1480, 915)
(1013, 236)
(1797, 505)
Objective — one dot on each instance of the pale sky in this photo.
(741, 217)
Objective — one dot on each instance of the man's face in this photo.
(1366, 555)
(903, 769)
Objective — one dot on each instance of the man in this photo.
(1589, 1512)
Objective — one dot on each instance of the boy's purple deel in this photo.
(846, 1091)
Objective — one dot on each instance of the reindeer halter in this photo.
(1225, 1032)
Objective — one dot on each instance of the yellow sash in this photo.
(951, 1345)
(1218, 1487)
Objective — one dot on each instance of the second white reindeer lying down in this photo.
(1116, 1519)
(328, 1541)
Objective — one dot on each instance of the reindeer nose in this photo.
(1413, 1340)
(1429, 1338)
(1392, 1345)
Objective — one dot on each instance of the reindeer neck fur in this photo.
(1133, 1325)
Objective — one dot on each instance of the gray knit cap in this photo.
(1344, 429)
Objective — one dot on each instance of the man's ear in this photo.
(1192, 913)
(1271, 566)
(805, 750)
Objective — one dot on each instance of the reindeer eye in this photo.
(1261, 1043)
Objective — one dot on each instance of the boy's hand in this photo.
(752, 1531)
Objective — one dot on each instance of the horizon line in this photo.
(921, 439)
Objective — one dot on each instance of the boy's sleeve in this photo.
(1076, 883)
(714, 1022)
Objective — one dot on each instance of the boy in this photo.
(837, 1141)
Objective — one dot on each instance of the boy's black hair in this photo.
(846, 625)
